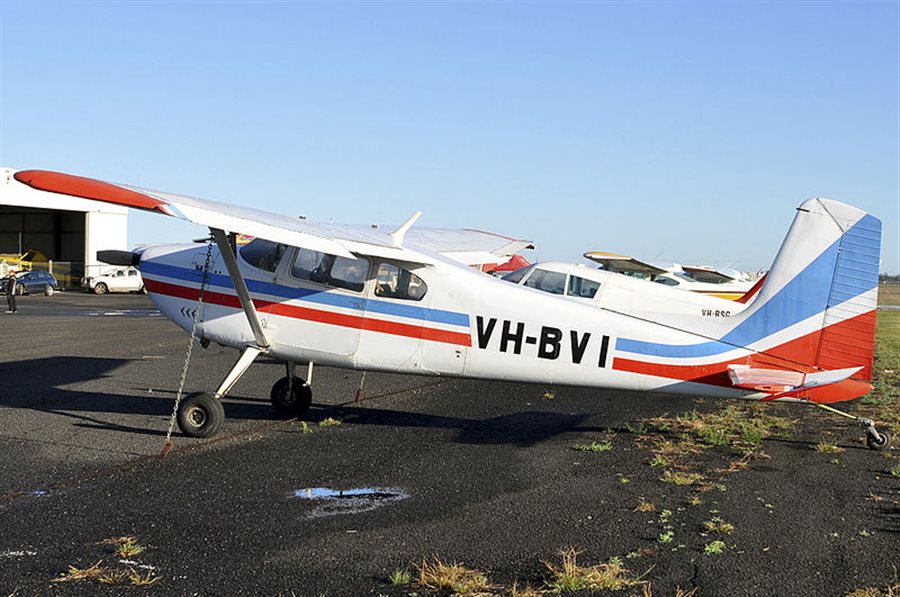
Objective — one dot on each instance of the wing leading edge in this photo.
(466, 246)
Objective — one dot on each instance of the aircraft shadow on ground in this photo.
(44, 385)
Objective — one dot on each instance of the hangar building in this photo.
(67, 230)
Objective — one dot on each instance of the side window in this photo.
(132, 273)
(349, 273)
(263, 254)
(552, 282)
(393, 281)
(666, 281)
(582, 288)
(516, 276)
(333, 270)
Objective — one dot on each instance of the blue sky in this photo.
(676, 131)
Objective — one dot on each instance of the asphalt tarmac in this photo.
(480, 473)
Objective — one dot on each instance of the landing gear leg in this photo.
(201, 414)
(291, 395)
(874, 439)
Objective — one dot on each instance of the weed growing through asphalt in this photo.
(440, 576)
(714, 548)
(680, 478)
(95, 572)
(330, 422)
(828, 448)
(645, 506)
(718, 526)
(129, 549)
(399, 577)
(305, 428)
(548, 395)
(865, 533)
(136, 579)
(569, 575)
(659, 461)
(666, 537)
(594, 447)
(895, 471)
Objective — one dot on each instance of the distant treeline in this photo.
(889, 278)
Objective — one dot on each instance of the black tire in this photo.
(101, 288)
(881, 442)
(200, 414)
(48, 291)
(20, 290)
(295, 404)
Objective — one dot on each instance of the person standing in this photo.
(11, 284)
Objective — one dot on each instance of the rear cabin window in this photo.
(666, 281)
(582, 288)
(393, 281)
(263, 254)
(332, 270)
(552, 282)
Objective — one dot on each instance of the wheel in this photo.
(101, 288)
(20, 290)
(48, 291)
(296, 403)
(142, 290)
(879, 441)
(200, 414)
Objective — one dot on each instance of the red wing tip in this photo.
(89, 188)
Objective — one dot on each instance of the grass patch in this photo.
(828, 448)
(129, 549)
(645, 506)
(399, 578)
(883, 403)
(718, 526)
(594, 447)
(680, 478)
(330, 422)
(569, 575)
(714, 548)
(454, 577)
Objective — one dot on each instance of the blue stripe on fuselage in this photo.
(321, 297)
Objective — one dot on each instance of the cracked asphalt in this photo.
(480, 473)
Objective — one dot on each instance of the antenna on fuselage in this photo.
(398, 234)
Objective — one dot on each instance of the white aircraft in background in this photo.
(623, 294)
(703, 279)
(407, 301)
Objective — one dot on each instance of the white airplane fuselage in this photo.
(468, 324)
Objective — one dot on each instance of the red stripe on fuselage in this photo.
(793, 355)
(316, 315)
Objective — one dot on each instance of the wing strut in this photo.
(240, 287)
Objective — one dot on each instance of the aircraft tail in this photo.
(816, 307)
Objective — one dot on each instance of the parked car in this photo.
(123, 280)
(33, 283)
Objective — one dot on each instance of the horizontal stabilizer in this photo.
(782, 383)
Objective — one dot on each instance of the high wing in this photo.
(707, 274)
(623, 263)
(416, 245)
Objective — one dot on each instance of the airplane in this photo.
(624, 294)
(702, 279)
(408, 301)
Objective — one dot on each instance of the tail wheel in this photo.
(293, 403)
(880, 440)
(200, 414)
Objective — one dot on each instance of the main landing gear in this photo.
(876, 440)
(201, 414)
